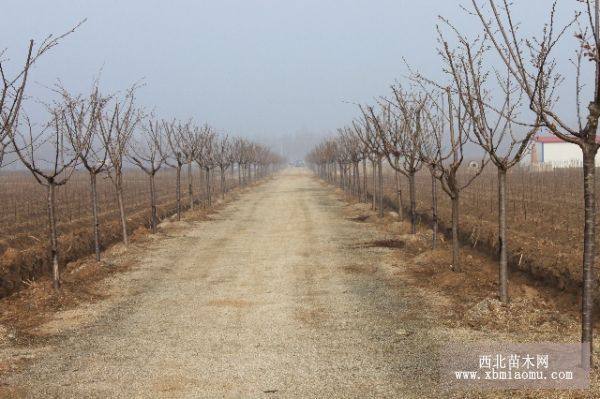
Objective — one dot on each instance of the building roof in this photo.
(548, 139)
(554, 139)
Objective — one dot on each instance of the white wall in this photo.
(563, 155)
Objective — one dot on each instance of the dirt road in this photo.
(277, 296)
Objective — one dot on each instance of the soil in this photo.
(288, 291)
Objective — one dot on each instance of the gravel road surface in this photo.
(278, 296)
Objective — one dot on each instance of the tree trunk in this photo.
(332, 173)
(374, 193)
(96, 224)
(503, 271)
(380, 169)
(455, 238)
(208, 196)
(119, 188)
(178, 193)
(434, 211)
(190, 185)
(346, 179)
(399, 199)
(153, 213)
(239, 175)
(413, 202)
(399, 203)
(202, 198)
(364, 190)
(589, 186)
(354, 182)
(53, 236)
(222, 183)
(352, 178)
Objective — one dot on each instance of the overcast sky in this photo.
(248, 67)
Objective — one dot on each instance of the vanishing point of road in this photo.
(274, 297)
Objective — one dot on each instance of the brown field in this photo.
(24, 232)
(545, 218)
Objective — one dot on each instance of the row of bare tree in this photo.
(502, 88)
(108, 134)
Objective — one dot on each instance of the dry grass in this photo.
(545, 219)
(388, 243)
(466, 300)
(360, 218)
(359, 269)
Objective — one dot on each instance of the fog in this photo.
(284, 72)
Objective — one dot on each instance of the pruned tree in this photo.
(173, 153)
(30, 144)
(147, 153)
(239, 156)
(431, 155)
(343, 162)
(364, 155)
(401, 131)
(431, 158)
(189, 143)
(250, 160)
(205, 157)
(116, 129)
(12, 88)
(533, 64)
(353, 148)
(367, 133)
(223, 159)
(323, 157)
(445, 156)
(493, 102)
(81, 122)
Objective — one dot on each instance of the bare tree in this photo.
(495, 121)
(223, 159)
(12, 89)
(238, 153)
(445, 158)
(80, 115)
(190, 138)
(205, 158)
(353, 148)
(51, 172)
(147, 154)
(250, 160)
(367, 133)
(116, 129)
(323, 157)
(431, 156)
(343, 161)
(173, 153)
(364, 155)
(400, 128)
(532, 64)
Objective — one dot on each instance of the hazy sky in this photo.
(249, 67)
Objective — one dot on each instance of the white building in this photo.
(550, 151)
